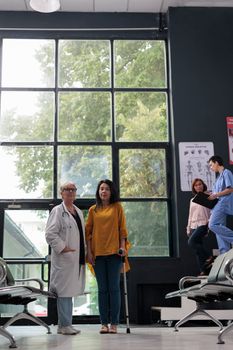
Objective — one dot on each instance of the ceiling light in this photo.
(45, 6)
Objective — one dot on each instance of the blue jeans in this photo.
(217, 224)
(64, 311)
(107, 270)
(196, 243)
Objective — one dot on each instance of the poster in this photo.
(230, 138)
(194, 163)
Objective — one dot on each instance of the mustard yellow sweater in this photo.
(105, 227)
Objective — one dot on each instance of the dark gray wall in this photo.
(201, 57)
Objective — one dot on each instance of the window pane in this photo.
(27, 116)
(24, 234)
(84, 63)
(148, 236)
(140, 63)
(28, 63)
(143, 173)
(84, 116)
(141, 116)
(37, 307)
(84, 165)
(26, 172)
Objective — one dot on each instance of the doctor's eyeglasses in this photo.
(71, 190)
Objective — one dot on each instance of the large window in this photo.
(84, 110)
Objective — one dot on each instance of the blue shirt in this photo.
(225, 180)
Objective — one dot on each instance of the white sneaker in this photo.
(68, 330)
(76, 330)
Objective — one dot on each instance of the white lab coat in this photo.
(67, 278)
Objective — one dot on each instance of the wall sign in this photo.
(230, 138)
(194, 157)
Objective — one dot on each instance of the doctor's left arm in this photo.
(52, 231)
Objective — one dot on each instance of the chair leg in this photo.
(10, 337)
(26, 315)
(215, 320)
(197, 311)
(223, 332)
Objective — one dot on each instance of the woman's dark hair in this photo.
(216, 159)
(194, 183)
(114, 194)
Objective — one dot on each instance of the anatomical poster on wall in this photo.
(230, 138)
(194, 157)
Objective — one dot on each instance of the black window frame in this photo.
(115, 145)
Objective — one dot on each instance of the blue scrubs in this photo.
(224, 207)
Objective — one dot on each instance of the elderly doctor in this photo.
(65, 235)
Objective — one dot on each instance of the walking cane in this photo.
(125, 293)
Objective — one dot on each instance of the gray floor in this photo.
(140, 338)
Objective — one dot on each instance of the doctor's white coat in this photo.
(67, 278)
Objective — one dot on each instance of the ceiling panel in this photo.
(210, 3)
(145, 5)
(116, 5)
(13, 5)
(77, 6)
(110, 5)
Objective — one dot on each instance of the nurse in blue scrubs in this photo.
(223, 190)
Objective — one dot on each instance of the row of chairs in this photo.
(216, 289)
(19, 292)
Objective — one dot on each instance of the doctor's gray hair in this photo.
(65, 184)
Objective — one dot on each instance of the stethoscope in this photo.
(65, 214)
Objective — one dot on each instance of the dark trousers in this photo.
(196, 243)
(107, 270)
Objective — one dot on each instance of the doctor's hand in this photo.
(67, 250)
(213, 196)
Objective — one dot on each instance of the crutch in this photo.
(125, 293)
